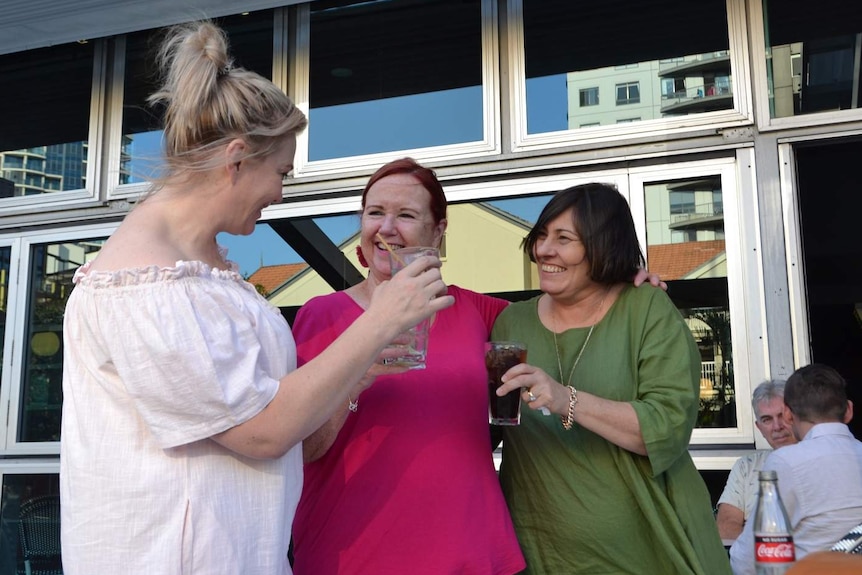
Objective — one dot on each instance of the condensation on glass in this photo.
(387, 76)
(601, 63)
(251, 43)
(46, 115)
(50, 277)
(685, 247)
(813, 56)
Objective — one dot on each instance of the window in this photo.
(46, 102)
(693, 232)
(628, 93)
(386, 76)
(627, 120)
(50, 279)
(812, 61)
(589, 97)
(672, 87)
(251, 43)
(595, 56)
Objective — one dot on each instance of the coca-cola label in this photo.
(774, 549)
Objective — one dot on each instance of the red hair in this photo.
(426, 177)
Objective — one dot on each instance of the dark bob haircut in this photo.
(426, 177)
(603, 221)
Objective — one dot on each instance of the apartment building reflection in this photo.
(43, 169)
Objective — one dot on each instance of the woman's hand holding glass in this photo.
(412, 295)
(540, 391)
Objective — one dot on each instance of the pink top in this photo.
(409, 485)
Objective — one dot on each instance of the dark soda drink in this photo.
(500, 356)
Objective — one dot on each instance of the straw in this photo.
(390, 250)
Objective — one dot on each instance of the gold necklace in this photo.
(583, 347)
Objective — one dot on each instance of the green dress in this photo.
(582, 505)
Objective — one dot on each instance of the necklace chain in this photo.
(583, 347)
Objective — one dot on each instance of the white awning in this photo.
(29, 24)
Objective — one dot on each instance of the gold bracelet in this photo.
(570, 416)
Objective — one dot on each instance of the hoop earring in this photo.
(362, 261)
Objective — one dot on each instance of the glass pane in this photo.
(251, 44)
(685, 247)
(50, 281)
(43, 136)
(30, 524)
(389, 76)
(812, 56)
(493, 263)
(645, 61)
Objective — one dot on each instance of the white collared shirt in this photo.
(820, 482)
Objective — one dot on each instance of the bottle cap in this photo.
(768, 475)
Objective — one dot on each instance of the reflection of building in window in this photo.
(685, 236)
(628, 93)
(698, 83)
(474, 229)
(44, 169)
(817, 75)
(589, 97)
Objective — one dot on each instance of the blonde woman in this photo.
(183, 408)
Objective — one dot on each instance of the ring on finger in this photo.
(532, 397)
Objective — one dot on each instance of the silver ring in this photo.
(532, 397)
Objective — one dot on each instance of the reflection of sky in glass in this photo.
(266, 248)
(547, 104)
(402, 123)
(145, 151)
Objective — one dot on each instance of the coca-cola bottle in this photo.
(774, 552)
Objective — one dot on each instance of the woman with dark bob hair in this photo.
(603, 483)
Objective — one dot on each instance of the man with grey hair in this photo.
(739, 497)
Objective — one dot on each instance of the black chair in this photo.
(39, 531)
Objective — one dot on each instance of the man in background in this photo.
(819, 477)
(739, 497)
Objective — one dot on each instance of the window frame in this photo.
(629, 99)
(585, 96)
(70, 198)
(489, 145)
(760, 87)
(115, 96)
(16, 344)
(744, 279)
(660, 129)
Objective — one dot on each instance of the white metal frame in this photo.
(490, 144)
(16, 326)
(761, 84)
(796, 287)
(742, 113)
(745, 294)
(71, 198)
(13, 299)
(28, 467)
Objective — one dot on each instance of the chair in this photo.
(850, 543)
(39, 531)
